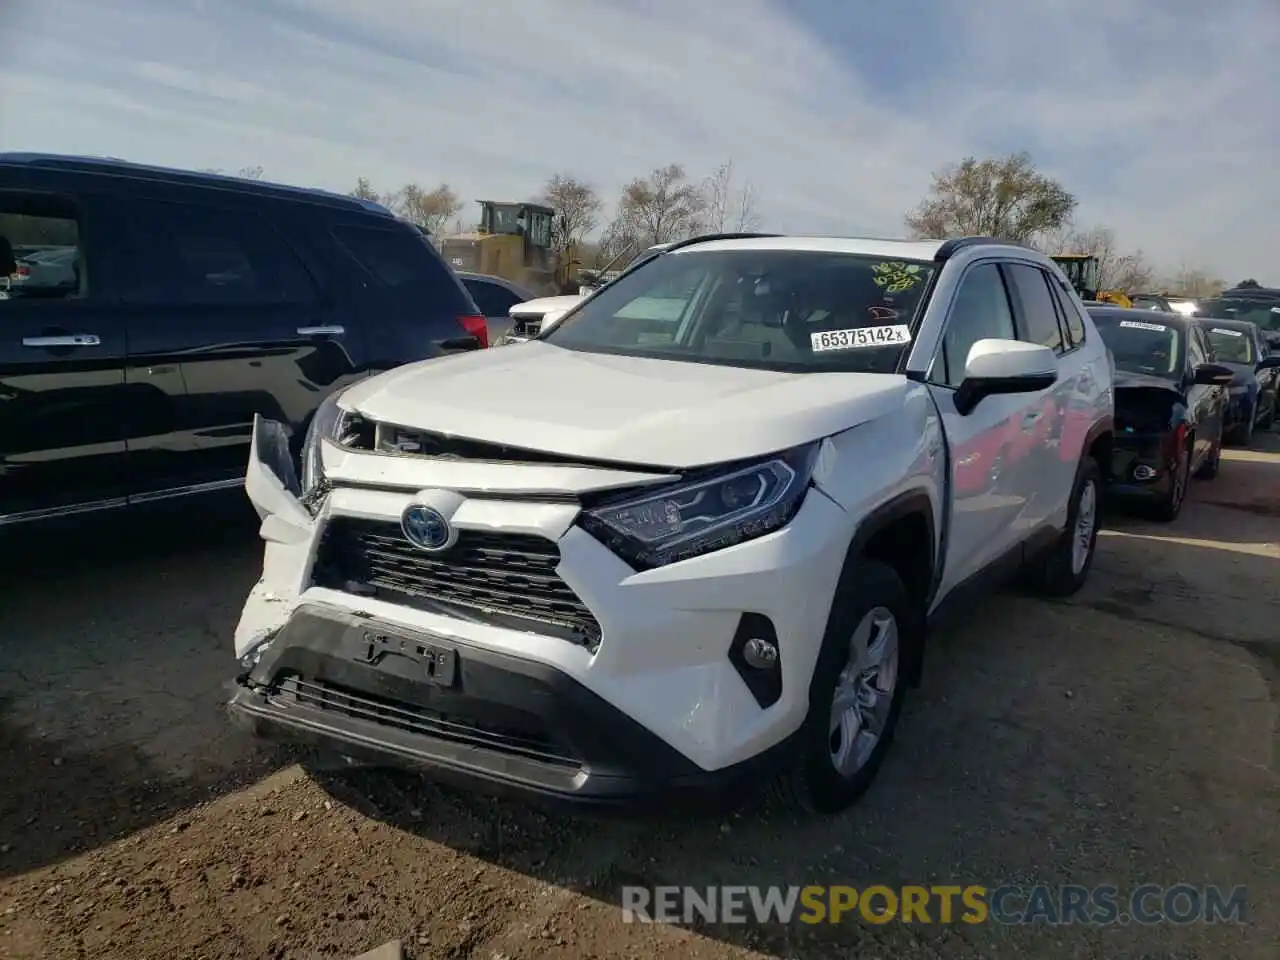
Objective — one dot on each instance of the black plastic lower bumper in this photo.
(384, 696)
(1132, 454)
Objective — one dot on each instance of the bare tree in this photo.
(661, 207)
(1116, 270)
(429, 209)
(364, 190)
(727, 206)
(244, 173)
(1188, 281)
(618, 237)
(1006, 198)
(577, 209)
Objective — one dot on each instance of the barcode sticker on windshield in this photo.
(856, 338)
(1139, 325)
(1229, 333)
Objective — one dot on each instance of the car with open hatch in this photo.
(1170, 406)
(710, 555)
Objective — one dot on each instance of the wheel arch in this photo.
(902, 533)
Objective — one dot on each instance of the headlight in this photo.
(707, 513)
(326, 423)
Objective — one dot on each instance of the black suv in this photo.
(147, 314)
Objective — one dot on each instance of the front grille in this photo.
(507, 579)
(531, 743)
(526, 326)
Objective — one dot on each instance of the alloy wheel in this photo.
(864, 691)
(1086, 524)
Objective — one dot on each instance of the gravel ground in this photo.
(1127, 736)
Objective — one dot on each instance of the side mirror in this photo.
(1269, 363)
(1214, 375)
(1004, 366)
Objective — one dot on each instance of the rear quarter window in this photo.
(401, 260)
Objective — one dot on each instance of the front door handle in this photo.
(333, 331)
(70, 340)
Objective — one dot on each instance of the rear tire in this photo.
(1064, 568)
(855, 693)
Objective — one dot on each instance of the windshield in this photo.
(792, 310)
(1264, 311)
(1233, 346)
(1141, 346)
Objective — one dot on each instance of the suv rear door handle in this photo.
(70, 340)
(321, 331)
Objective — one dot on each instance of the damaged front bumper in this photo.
(652, 701)
(381, 695)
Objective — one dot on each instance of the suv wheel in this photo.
(1063, 569)
(872, 640)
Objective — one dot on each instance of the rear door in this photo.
(413, 305)
(62, 355)
(226, 321)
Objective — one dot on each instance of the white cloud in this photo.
(1160, 118)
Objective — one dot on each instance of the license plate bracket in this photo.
(437, 662)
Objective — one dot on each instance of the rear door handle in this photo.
(333, 331)
(71, 340)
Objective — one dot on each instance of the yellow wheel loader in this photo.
(1082, 272)
(513, 242)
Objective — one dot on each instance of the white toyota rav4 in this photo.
(710, 545)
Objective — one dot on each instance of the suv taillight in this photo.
(477, 327)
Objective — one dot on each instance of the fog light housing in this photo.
(1144, 472)
(760, 653)
(755, 655)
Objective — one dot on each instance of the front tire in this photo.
(1064, 569)
(1167, 510)
(1209, 469)
(872, 642)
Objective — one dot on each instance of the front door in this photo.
(62, 350)
(987, 477)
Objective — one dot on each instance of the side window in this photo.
(979, 312)
(493, 299)
(402, 260)
(187, 253)
(1068, 312)
(41, 256)
(1037, 315)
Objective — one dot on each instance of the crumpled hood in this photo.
(627, 410)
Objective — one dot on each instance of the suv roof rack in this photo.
(708, 237)
(953, 246)
(84, 164)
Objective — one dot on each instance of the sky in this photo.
(1162, 116)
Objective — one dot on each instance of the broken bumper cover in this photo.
(383, 695)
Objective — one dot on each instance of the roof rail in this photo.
(953, 246)
(708, 237)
